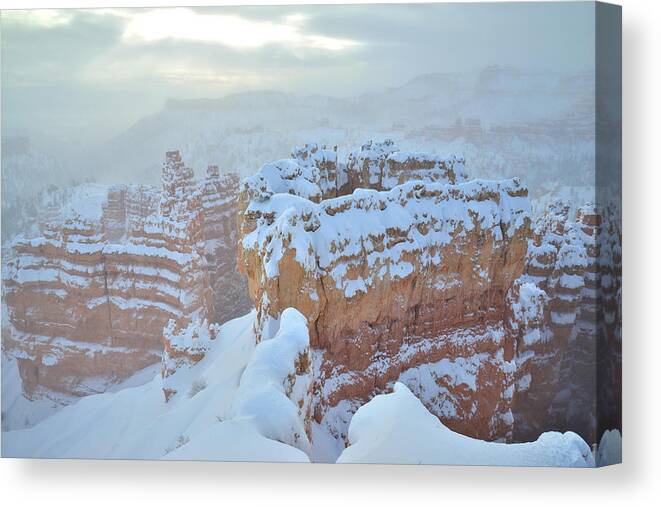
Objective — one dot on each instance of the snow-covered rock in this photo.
(86, 303)
(570, 290)
(382, 166)
(609, 450)
(390, 280)
(275, 388)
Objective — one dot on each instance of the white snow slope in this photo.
(138, 423)
(397, 428)
(238, 404)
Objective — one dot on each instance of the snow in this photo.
(224, 136)
(524, 382)
(270, 387)
(572, 254)
(236, 440)
(18, 411)
(330, 434)
(36, 274)
(397, 428)
(254, 407)
(195, 337)
(49, 360)
(137, 303)
(428, 381)
(530, 305)
(138, 378)
(287, 177)
(142, 250)
(609, 450)
(532, 336)
(136, 422)
(557, 159)
(328, 235)
(565, 318)
(571, 281)
(85, 203)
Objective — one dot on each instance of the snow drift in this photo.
(397, 428)
(222, 418)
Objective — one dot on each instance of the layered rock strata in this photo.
(315, 173)
(381, 165)
(229, 287)
(571, 285)
(408, 283)
(87, 302)
(55, 290)
(125, 207)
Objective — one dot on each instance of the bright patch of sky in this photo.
(230, 30)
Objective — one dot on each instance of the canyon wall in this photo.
(229, 287)
(87, 302)
(574, 269)
(407, 271)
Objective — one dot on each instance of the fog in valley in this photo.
(99, 96)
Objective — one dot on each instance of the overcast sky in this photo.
(61, 68)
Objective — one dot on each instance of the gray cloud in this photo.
(82, 79)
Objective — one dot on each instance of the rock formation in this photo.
(57, 302)
(229, 287)
(382, 166)
(407, 283)
(573, 267)
(87, 302)
(406, 271)
(125, 207)
(398, 268)
(184, 344)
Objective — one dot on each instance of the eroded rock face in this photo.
(89, 300)
(62, 329)
(401, 268)
(229, 287)
(315, 173)
(382, 166)
(185, 344)
(565, 307)
(127, 206)
(408, 283)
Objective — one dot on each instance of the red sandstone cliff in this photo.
(444, 284)
(87, 302)
(407, 283)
